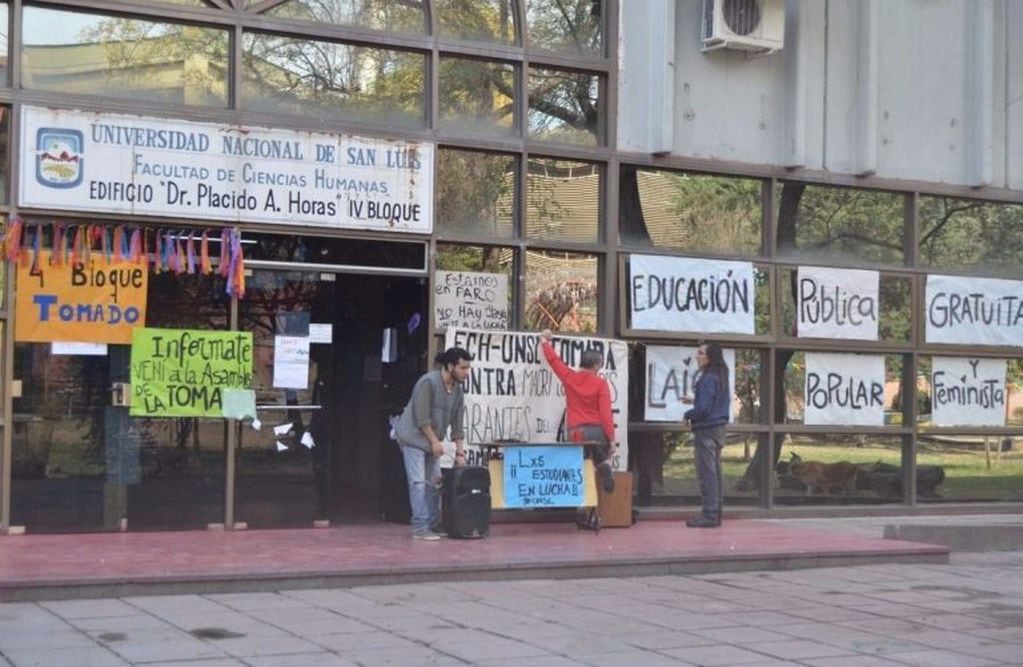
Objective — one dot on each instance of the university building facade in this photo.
(342, 181)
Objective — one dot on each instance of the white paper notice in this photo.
(281, 446)
(84, 349)
(307, 440)
(837, 303)
(282, 429)
(686, 294)
(291, 362)
(844, 389)
(321, 333)
(470, 300)
(974, 311)
(968, 391)
(670, 372)
(256, 424)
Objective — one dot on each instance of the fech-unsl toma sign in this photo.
(108, 163)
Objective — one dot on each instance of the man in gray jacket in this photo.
(436, 405)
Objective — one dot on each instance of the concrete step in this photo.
(961, 537)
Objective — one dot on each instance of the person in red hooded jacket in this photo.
(588, 403)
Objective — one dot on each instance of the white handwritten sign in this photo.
(968, 391)
(512, 393)
(670, 375)
(470, 300)
(844, 389)
(974, 311)
(686, 294)
(837, 303)
(73, 160)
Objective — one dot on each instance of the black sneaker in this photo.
(703, 522)
(607, 477)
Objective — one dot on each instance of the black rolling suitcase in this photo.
(466, 501)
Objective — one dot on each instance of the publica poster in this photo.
(184, 372)
(512, 394)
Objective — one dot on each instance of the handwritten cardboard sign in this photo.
(183, 372)
(968, 391)
(94, 302)
(670, 375)
(974, 311)
(512, 393)
(844, 389)
(686, 294)
(837, 303)
(543, 476)
(470, 300)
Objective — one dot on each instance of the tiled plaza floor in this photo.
(965, 613)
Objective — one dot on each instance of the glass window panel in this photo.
(573, 26)
(838, 469)
(793, 364)
(5, 151)
(476, 192)
(563, 200)
(476, 20)
(285, 486)
(968, 468)
(477, 96)
(68, 437)
(963, 233)
(565, 106)
(561, 291)
(894, 308)
(5, 46)
(301, 76)
(93, 54)
(675, 482)
(673, 209)
(390, 15)
(816, 223)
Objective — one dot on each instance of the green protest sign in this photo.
(184, 372)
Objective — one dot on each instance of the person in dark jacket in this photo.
(708, 418)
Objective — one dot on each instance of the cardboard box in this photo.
(615, 509)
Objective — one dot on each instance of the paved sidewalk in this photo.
(965, 613)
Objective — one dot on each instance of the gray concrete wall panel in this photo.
(915, 90)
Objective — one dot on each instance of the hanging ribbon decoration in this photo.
(171, 250)
(12, 239)
(205, 265)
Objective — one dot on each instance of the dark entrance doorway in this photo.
(322, 450)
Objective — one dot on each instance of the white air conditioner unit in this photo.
(749, 25)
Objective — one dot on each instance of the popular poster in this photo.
(844, 389)
(974, 311)
(93, 302)
(184, 372)
(470, 300)
(109, 163)
(512, 394)
(837, 303)
(968, 391)
(670, 375)
(692, 295)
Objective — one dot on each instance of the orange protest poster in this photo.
(89, 302)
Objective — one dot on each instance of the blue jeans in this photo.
(424, 479)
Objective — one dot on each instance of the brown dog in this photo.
(825, 478)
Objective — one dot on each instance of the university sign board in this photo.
(73, 160)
